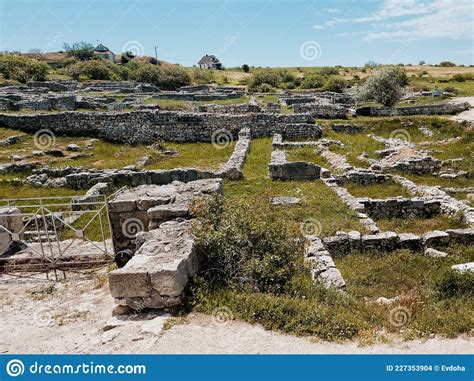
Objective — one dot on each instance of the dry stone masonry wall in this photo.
(147, 127)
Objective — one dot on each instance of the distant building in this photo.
(104, 52)
(210, 61)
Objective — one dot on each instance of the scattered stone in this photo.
(285, 201)
(464, 267)
(73, 148)
(430, 252)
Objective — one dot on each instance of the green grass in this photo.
(354, 145)
(224, 102)
(319, 203)
(461, 88)
(168, 104)
(420, 225)
(10, 191)
(325, 314)
(384, 190)
(306, 154)
(431, 180)
(110, 155)
(441, 126)
(398, 273)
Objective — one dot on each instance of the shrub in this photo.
(81, 50)
(313, 81)
(334, 84)
(241, 245)
(269, 78)
(23, 69)
(327, 71)
(245, 68)
(167, 77)
(454, 283)
(447, 64)
(201, 76)
(384, 86)
(459, 78)
(97, 70)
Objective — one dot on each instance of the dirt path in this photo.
(75, 317)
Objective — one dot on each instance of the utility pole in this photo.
(156, 53)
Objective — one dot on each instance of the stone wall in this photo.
(282, 169)
(348, 128)
(233, 168)
(324, 111)
(159, 271)
(144, 207)
(230, 109)
(398, 207)
(363, 177)
(201, 97)
(433, 109)
(355, 243)
(147, 127)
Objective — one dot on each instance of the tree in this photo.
(422, 63)
(447, 64)
(384, 86)
(245, 68)
(81, 50)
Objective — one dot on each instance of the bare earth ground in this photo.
(75, 317)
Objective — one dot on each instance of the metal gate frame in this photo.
(50, 253)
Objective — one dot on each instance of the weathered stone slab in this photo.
(160, 269)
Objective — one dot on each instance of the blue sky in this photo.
(258, 32)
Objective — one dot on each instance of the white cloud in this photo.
(397, 19)
(449, 19)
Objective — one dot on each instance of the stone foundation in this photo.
(282, 169)
(147, 127)
(158, 272)
(434, 109)
(146, 206)
(355, 243)
(398, 207)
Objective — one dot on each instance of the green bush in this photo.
(243, 245)
(455, 283)
(269, 78)
(447, 64)
(245, 68)
(334, 84)
(384, 86)
(312, 81)
(97, 70)
(166, 77)
(22, 69)
(327, 71)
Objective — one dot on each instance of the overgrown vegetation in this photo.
(22, 69)
(245, 246)
(385, 86)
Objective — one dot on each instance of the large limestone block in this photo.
(10, 222)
